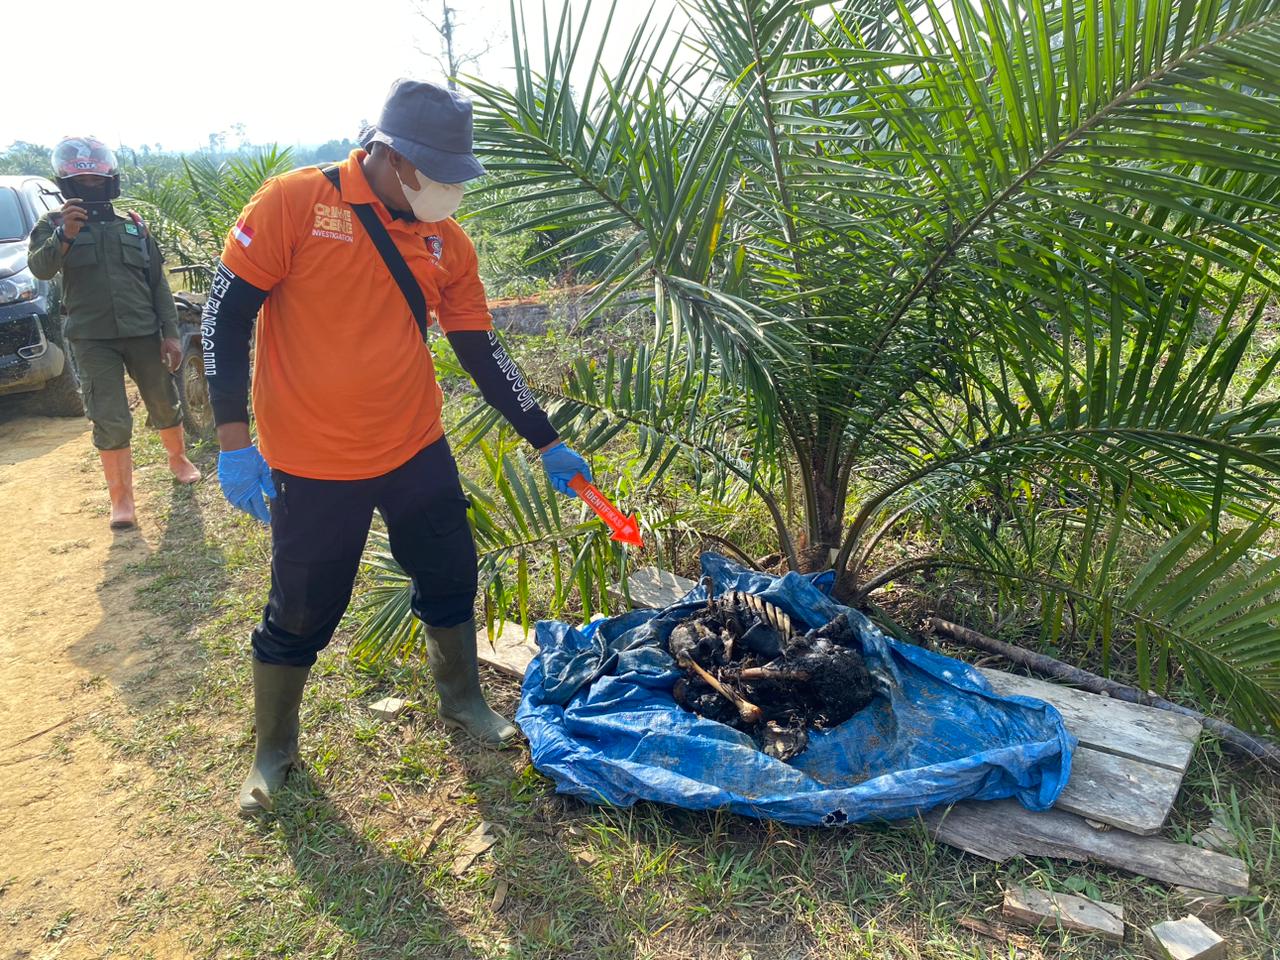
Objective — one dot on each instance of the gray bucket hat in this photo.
(429, 125)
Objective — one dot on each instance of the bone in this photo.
(746, 709)
(774, 616)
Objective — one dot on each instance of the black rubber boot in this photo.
(277, 695)
(451, 652)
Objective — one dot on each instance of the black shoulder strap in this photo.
(391, 256)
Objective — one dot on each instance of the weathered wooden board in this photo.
(1189, 939)
(1113, 726)
(1041, 908)
(651, 587)
(510, 651)
(1003, 829)
(1125, 793)
(388, 708)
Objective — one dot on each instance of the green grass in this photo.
(343, 870)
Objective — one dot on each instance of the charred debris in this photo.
(745, 665)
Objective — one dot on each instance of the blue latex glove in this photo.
(245, 477)
(561, 464)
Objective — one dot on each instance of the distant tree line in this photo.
(190, 197)
(149, 163)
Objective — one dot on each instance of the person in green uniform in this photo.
(120, 315)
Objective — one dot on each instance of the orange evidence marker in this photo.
(625, 529)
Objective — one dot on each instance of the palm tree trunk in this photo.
(824, 508)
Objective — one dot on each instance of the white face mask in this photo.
(432, 201)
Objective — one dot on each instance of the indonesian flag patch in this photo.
(242, 233)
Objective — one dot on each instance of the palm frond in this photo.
(1202, 610)
(927, 253)
(528, 542)
(193, 212)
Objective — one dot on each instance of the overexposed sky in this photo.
(163, 72)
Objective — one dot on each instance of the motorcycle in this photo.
(192, 386)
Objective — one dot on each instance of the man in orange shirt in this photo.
(344, 264)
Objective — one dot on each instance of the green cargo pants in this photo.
(101, 366)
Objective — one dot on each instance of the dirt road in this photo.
(78, 659)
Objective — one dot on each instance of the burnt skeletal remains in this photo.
(746, 665)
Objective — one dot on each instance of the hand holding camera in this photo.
(72, 217)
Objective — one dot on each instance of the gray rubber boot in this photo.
(451, 652)
(277, 695)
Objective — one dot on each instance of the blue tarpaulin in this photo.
(601, 721)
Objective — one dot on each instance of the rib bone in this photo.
(772, 615)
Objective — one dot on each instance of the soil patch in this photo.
(76, 652)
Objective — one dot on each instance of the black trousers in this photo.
(318, 532)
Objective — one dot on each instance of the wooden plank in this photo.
(510, 651)
(652, 587)
(1038, 907)
(388, 708)
(1189, 939)
(1113, 726)
(1119, 791)
(1004, 828)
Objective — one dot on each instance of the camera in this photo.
(100, 211)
